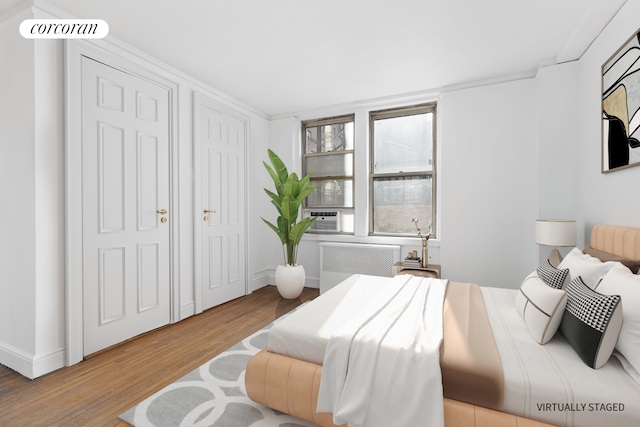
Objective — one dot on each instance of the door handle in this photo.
(207, 211)
(162, 211)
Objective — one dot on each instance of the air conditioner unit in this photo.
(326, 220)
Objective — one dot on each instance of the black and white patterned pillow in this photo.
(591, 322)
(552, 276)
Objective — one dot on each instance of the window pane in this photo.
(397, 200)
(331, 165)
(403, 144)
(331, 193)
(328, 138)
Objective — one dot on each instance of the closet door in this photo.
(221, 139)
(125, 202)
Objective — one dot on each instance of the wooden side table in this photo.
(399, 266)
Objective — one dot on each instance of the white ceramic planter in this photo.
(290, 280)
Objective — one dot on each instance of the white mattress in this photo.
(304, 334)
(552, 375)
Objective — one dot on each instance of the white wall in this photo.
(557, 90)
(514, 152)
(558, 142)
(260, 254)
(610, 198)
(17, 192)
(488, 178)
(50, 209)
(32, 245)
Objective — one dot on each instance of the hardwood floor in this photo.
(97, 390)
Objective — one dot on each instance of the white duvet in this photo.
(382, 367)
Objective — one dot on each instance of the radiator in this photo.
(340, 260)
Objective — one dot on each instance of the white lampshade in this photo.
(556, 232)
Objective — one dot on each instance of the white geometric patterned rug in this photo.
(212, 395)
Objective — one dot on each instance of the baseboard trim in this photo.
(312, 282)
(50, 362)
(187, 310)
(262, 280)
(17, 360)
(29, 365)
(268, 277)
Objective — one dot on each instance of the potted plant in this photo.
(290, 193)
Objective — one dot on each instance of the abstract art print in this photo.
(621, 107)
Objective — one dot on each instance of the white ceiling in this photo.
(288, 56)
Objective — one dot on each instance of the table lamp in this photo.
(556, 233)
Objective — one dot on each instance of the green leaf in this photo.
(279, 166)
(275, 197)
(289, 209)
(276, 229)
(283, 227)
(305, 192)
(298, 230)
(289, 185)
(278, 206)
(295, 185)
(275, 177)
(304, 182)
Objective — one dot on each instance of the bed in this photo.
(502, 362)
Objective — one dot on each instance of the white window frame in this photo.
(430, 107)
(348, 118)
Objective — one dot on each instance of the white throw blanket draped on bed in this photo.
(383, 368)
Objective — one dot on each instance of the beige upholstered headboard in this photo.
(620, 241)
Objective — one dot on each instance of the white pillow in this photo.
(621, 281)
(541, 307)
(589, 268)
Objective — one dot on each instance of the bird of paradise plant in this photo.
(290, 193)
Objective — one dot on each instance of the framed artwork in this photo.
(621, 107)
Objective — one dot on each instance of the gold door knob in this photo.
(207, 211)
(162, 211)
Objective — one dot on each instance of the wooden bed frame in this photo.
(291, 385)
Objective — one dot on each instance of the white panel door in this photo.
(222, 140)
(125, 190)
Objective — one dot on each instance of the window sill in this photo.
(380, 240)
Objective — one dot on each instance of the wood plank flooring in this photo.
(97, 390)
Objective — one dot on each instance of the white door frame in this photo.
(200, 99)
(74, 50)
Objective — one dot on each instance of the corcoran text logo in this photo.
(64, 29)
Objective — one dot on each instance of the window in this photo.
(402, 174)
(328, 151)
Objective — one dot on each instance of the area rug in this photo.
(212, 395)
